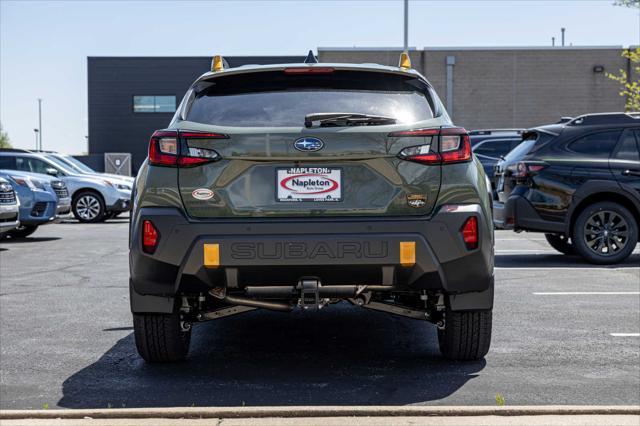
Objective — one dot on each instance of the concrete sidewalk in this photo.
(330, 416)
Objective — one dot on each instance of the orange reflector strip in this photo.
(407, 253)
(211, 255)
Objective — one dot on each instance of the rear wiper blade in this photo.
(346, 119)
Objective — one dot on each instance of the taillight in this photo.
(455, 146)
(523, 170)
(163, 148)
(171, 148)
(150, 237)
(469, 233)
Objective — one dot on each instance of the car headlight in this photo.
(123, 187)
(24, 182)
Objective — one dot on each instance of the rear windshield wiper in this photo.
(346, 119)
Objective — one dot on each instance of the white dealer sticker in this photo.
(309, 184)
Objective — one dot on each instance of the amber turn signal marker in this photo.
(407, 253)
(211, 255)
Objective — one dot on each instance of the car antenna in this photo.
(311, 59)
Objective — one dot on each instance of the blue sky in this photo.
(44, 44)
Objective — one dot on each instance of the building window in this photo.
(154, 104)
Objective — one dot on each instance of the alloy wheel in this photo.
(606, 233)
(88, 207)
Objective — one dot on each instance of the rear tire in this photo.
(159, 337)
(22, 231)
(560, 243)
(466, 335)
(605, 233)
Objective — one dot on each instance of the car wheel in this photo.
(605, 233)
(561, 243)
(466, 336)
(88, 207)
(160, 338)
(22, 231)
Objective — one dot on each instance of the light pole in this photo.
(406, 25)
(40, 123)
(36, 133)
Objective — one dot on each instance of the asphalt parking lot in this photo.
(564, 333)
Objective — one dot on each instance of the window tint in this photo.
(494, 148)
(152, 104)
(33, 165)
(279, 99)
(627, 148)
(596, 144)
(7, 162)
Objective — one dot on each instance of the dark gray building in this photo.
(130, 97)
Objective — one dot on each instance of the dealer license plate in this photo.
(309, 184)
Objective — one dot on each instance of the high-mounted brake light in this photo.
(170, 148)
(150, 237)
(308, 70)
(469, 233)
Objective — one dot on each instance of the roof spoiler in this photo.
(606, 118)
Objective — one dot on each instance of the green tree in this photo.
(630, 89)
(4, 139)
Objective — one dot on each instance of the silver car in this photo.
(9, 208)
(93, 198)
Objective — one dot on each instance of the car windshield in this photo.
(61, 164)
(76, 164)
(277, 99)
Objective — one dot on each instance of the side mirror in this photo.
(52, 172)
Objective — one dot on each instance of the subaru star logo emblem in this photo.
(308, 144)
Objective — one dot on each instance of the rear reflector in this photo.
(211, 255)
(470, 233)
(407, 253)
(150, 237)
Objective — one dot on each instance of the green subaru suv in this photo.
(298, 186)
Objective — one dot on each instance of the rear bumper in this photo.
(518, 213)
(337, 251)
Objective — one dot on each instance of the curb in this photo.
(329, 411)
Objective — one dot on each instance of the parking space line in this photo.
(567, 268)
(597, 293)
(625, 334)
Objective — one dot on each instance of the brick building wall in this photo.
(510, 87)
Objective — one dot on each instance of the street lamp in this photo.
(36, 131)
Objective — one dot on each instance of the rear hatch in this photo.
(514, 168)
(267, 162)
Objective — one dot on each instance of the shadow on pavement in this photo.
(28, 240)
(557, 261)
(339, 356)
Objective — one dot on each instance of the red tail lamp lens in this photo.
(470, 233)
(150, 237)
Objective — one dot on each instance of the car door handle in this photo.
(631, 173)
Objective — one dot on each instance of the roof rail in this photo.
(606, 118)
(492, 131)
(14, 150)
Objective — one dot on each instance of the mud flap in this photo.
(142, 304)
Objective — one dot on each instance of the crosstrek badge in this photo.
(309, 184)
(202, 194)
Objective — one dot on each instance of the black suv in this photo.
(491, 145)
(578, 182)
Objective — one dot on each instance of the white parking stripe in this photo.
(603, 293)
(625, 334)
(566, 268)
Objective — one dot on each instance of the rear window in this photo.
(532, 142)
(283, 100)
